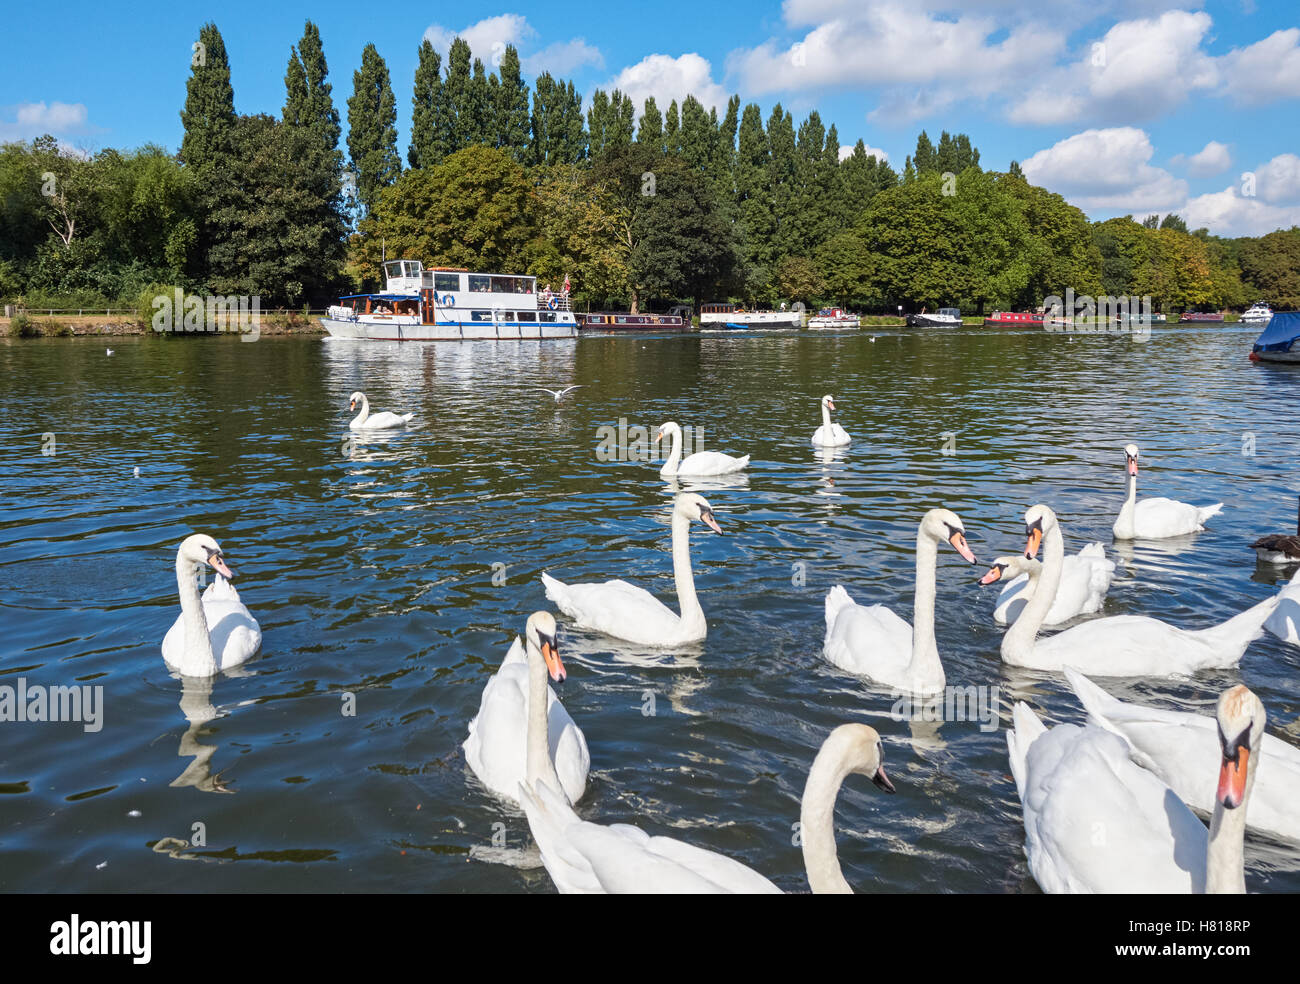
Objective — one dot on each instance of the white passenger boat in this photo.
(443, 304)
(829, 319)
(728, 316)
(1258, 313)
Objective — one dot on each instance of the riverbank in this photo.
(74, 325)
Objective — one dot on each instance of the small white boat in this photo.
(442, 304)
(1258, 313)
(728, 316)
(943, 318)
(829, 319)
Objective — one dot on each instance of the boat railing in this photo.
(551, 301)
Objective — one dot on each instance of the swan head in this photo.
(694, 506)
(1240, 717)
(355, 398)
(202, 549)
(860, 748)
(1039, 520)
(668, 428)
(944, 524)
(1007, 568)
(1131, 458)
(828, 402)
(541, 633)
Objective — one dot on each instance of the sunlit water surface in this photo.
(397, 570)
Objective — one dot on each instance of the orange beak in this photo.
(220, 567)
(959, 544)
(1132, 466)
(706, 517)
(830, 404)
(551, 653)
(1033, 543)
(1232, 779)
(994, 574)
(352, 404)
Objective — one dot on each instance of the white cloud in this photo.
(488, 38)
(1214, 158)
(36, 118)
(1138, 70)
(846, 150)
(1227, 213)
(1265, 71)
(1107, 169)
(1278, 181)
(667, 78)
(563, 58)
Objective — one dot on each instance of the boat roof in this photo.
(1283, 329)
(382, 297)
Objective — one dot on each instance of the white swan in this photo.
(520, 709)
(1155, 519)
(829, 435)
(1095, 821)
(1284, 621)
(212, 633)
(584, 857)
(1121, 645)
(365, 420)
(874, 642)
(1278, 548)
(1176, 745)
(700, 463)
(625, 611)
(1085, 579)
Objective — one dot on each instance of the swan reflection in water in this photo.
(196, 705)
(706, 483)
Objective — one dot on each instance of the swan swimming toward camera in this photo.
(1160, 518)
(1121, 645)
(365, 420)
(590, 858)
(872, 641)
(830, 434)
(215, 632)
(1085, 579)
(1096, 821)
(625, 611)
(701, 463)
(520, 717)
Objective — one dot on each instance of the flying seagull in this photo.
(559, 393)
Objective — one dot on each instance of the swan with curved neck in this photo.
(1074, 782)
(584, 857)
(829, 434)
(1176, 745)
(626, 611)
(1085, 579)
(522, 732)
(700, 463)
(1159, 518)
(365, 420)
(1121, 645)
(214, 632)
(872, 641)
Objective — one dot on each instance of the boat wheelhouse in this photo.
(445, 304)
(716, 316)
(829, 319)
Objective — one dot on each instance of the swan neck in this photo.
(538, 764)
(826, 416)
(674, 456)
(1225, 862)
(1018, 643)
(817, 821)
(197, 658)
(925, 650)
(692, 615)
(365, 411)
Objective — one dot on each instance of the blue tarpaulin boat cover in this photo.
(1281, 331)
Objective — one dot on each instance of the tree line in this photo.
(640, 206)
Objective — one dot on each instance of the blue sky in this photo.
(1135, 106)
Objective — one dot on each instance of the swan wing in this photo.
(1125, 645)
(1159, 518)
(496, 747)
(1097, 822)
(568, 747)
(870, 641)
(616, 608)
(711, 463)
(1013, 597)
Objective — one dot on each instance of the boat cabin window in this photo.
(527, 316)
(546, 316)
(446, 281)
(480, 316)
(480, 283)
(410, 268)
(393, 269)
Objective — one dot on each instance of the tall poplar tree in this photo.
(651, 129)
(428, 138)
(209, 112)
(512, 107)
(372, 131)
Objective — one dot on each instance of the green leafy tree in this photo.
(209, 112)
(651, 130)
(428, 130)
(372, 131)
(512, 107)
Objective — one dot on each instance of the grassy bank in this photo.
(35, 325)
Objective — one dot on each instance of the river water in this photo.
(389, 576)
